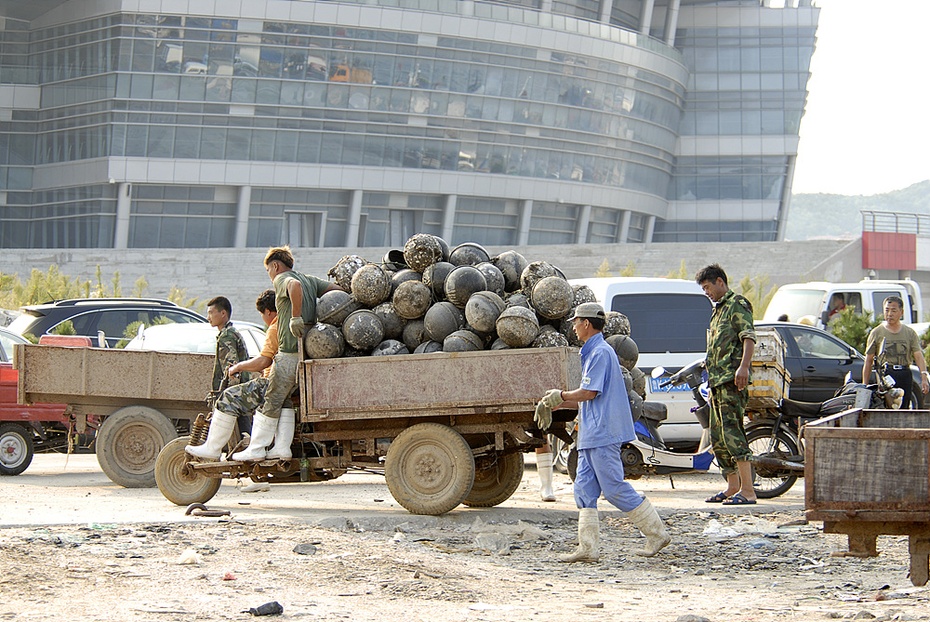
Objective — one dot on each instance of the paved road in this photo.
(59, 489)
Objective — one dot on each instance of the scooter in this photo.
(648, 453)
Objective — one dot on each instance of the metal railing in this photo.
(896, 222)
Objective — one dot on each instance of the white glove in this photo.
(543, 416)
(296, 325)
(552, 399)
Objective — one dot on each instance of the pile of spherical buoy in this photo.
(430, 298)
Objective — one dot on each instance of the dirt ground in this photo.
(345, 550)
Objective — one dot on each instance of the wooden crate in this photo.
(770, 347)
(867, 473)
(769, 384)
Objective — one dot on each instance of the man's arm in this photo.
(922, 366)
(296, 293)
(867, 368)
(742, 372)
(573, 398)
(256, 363)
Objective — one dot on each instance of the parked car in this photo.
(24, 428)
(818, 362)
(108, 315)
(194, 338)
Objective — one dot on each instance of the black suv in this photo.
(92, 315)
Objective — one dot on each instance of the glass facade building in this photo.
(148, 124)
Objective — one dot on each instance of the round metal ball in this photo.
(533, 273)
(616, 324)
(443, 319)
(414, 334)
(626, 349)
(639, 381)
(462, 283)
(402, 276)
(335, 306)
(582, 294)
(552, 297)
(344, 269)
(422, 250)
(468, 254)
(462, 341)
(428, 347)
(393, 323)
(324, 341)
(412, 299)
(363, 330)
(511, 264)
(371, 285)
(435, 277)
(493, 277)
(517, 326)
(482, 311)
(549, 337)
(390, 347)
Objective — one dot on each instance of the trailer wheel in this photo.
(16, 449)
(179, 484)
(429, 469)
(128, 443)
(496, 479)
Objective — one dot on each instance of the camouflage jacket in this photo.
(230, 349)
(730, 324)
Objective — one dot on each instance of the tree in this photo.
(603, 270)
(754, 290)
(852, 327)
(681, 273)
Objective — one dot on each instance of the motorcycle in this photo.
(648, 454)
(776, 438)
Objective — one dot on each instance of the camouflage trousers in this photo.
(269, 395)
(727, 405)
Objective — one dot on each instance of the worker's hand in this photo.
(552, 399)
(543, 416)
(232, 371)
(296, 325)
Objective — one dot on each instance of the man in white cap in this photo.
(604, 424)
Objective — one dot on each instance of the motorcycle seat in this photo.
(805, 410)
(655, 411)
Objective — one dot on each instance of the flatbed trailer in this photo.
(142, 399)
(444, 428)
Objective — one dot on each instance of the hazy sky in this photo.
(866, 129)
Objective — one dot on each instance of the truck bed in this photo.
(91, 378)
(497, 381)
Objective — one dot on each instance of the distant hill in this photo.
(837, 215)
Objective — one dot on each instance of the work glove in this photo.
(552, 399)
(296, 325)
(543, 416)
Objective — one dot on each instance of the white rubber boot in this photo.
(221, 428)
(650, 523)
(263, 429)
(544, 469)
(283, 435)
(588, 538)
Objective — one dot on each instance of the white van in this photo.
(668, 320)
(813, 303)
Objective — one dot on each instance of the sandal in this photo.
(720, 497)
(739, 499)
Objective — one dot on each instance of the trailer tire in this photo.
(495, 480)
(128, 443)
(16, 449)
(429, 469)
(179, 485)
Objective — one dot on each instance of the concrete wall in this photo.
(238, 273)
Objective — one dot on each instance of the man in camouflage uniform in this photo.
(731, 341)
(242, 398)
(230, 347)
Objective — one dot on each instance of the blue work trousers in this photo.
(600, 469)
